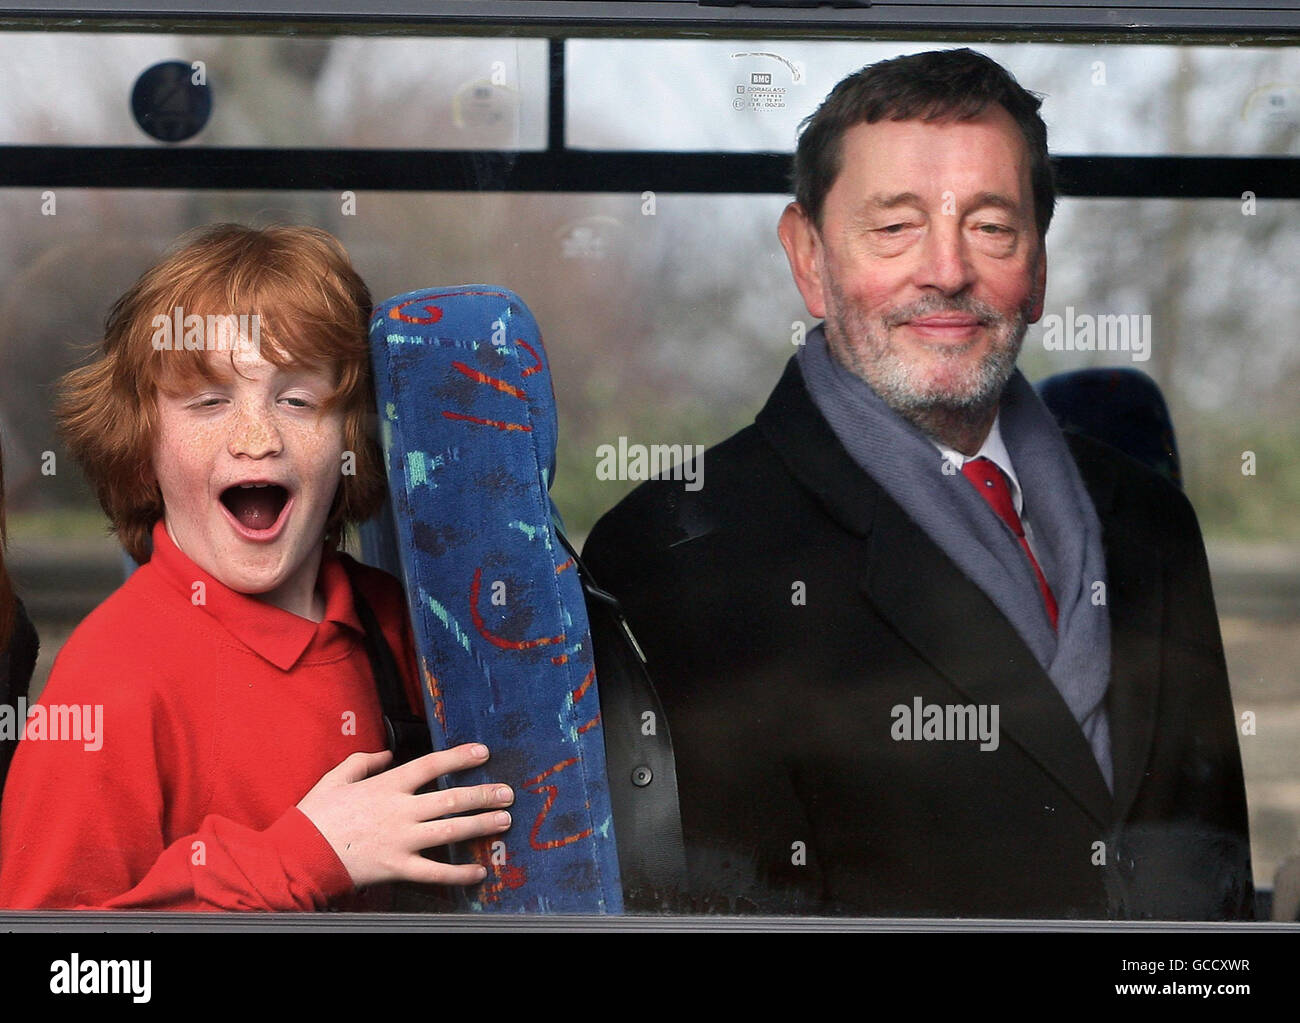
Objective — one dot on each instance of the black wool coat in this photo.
(789, 607)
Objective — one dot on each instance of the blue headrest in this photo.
(1119, 406)
(468, 427)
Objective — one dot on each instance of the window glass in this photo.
(417, 93)
(1100, 98)
(669, 323)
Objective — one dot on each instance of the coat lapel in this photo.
(927, 599)
(1136, 601)
(960, 632)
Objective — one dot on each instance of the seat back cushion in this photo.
(468, 427)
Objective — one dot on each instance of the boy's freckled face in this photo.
(248, 466)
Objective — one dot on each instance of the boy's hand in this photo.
(377, 825)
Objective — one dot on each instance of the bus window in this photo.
(635, 209)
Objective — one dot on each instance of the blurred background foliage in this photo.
(668, 327)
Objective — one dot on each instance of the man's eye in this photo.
(205, 403)
(296, 402)
(893, 229)
(995, 229)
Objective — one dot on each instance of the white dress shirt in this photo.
(996, 452)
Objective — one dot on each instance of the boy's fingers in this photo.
(432, 872)
(432, 805)
(425, 769)
(461, 829)
(360, 766)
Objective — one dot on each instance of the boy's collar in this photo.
(279, 636)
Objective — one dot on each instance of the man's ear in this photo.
(1040, 286)
(803, 248)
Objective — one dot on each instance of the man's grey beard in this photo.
(950, 412)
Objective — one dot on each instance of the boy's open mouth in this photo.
(255, 506)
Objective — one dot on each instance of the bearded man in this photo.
(919, 652)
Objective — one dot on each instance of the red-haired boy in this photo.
(224, 429)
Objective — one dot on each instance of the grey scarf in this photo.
(1067, 533)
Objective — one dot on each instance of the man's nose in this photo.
(944, 262)
(254, 434)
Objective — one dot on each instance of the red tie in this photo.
(987, 478)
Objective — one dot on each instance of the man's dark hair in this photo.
(929, 86)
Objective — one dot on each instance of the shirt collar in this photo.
(279, 636)
(995, 450)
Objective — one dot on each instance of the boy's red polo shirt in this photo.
(219, 713)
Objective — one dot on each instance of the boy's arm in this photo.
(85, 827)
(82, 828)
